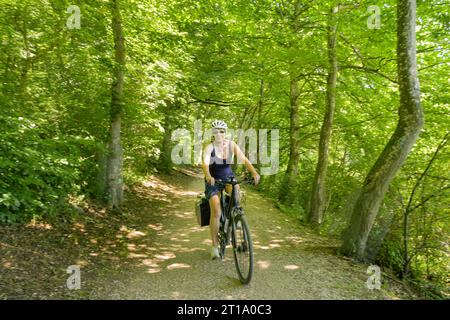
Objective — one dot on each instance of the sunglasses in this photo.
(218, 131)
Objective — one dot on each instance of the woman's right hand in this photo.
(210, 180)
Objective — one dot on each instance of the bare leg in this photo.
(215, 219)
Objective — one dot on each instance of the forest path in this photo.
(156, 250)
(290, 261)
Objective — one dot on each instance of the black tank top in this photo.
(221, 168)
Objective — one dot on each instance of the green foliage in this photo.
(37, 173)
(189, 60)
(391, 254)
(294, 210)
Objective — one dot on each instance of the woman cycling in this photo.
(217, 160)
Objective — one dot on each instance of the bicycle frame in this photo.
(234, 200)
(226, 214)
(235, 214)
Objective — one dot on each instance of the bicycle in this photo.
(234, 225)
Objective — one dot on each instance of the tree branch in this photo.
(370, 70)
(213, 102)
(419, 180)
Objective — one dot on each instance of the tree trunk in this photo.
(286, 190)
(259, 119)
(396, 151)
(165, 161)
(318, 195)
(114, 179)
(409, 208)
(7, 66)
(24, 73)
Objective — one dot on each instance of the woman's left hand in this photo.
(256, 178)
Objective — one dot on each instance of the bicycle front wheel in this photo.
(242, 249)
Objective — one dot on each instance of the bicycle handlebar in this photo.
(234, 181)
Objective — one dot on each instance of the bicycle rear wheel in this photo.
(242, 248)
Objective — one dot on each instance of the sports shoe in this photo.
(215, 253)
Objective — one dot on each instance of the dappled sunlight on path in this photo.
(170, 253)
(154, 249)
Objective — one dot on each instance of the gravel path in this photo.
(169, 255)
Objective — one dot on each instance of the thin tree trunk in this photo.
(318, 195)
(115, 157)
(286, 190)
(396, 151)
(409, 209)
(7, 67)
(165, 161)
(259, 119)
(24, 74)
(246, 119)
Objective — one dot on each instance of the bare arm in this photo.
(205, 164)
(241, 156)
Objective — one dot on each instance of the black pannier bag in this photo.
(202, 211)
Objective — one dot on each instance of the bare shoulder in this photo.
(234, 146)
(209, 147)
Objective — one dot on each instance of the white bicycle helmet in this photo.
(219, 124)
